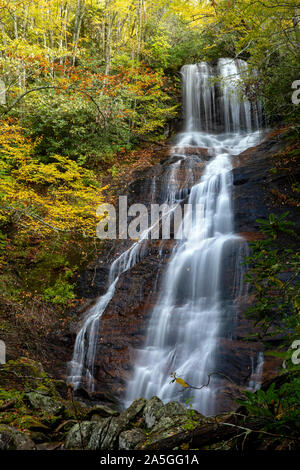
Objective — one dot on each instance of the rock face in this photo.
(123, 324)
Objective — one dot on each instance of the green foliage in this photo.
(275, 225)
(274, 279)
(69, 124)
(279, 405)
(190, 421)
(61, 292)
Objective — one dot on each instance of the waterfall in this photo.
(81, 367)
(195, 307)
(257, 367)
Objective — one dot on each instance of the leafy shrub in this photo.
(279, 405)
(60, 293)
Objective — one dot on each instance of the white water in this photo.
(256, 372)
(195, 307)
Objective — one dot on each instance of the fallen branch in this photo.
(185, 384)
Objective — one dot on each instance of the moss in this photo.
(25, 374)
(74, 410)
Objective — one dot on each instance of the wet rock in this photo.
(11, 439)
(129, 439)
(80, 434)
(170, 160)
(39, 401)
(106, 398)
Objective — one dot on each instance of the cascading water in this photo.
(195, 306)
(81, 367)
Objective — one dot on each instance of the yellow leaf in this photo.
(181, 382)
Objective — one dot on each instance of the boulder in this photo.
(130, 438)
(153, 411)
(79, 435)
(173, 408)
(166, 423)
(11, 439)
(99, 434)
(169, 427)
(106, 433)
(39, 401)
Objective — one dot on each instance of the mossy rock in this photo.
(26, 374)
(130, 438)
(75, 410)
(11, 439)
(33, 424)
(61, 388)
(39, 401)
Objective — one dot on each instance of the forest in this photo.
(91, 96)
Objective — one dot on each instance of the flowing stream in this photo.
(195, 305)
